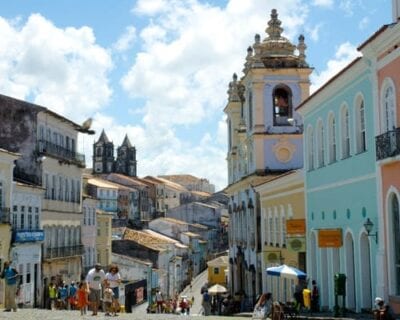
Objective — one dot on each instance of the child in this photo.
(108, 298)
(82, 297)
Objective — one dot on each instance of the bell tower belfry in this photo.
(126, 158)
(264, 129)
(103, 155)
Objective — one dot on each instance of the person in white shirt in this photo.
(95, 278)
(114, 279)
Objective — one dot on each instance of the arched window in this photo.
(394, 205)
(332, 138)
(345, 133)
(310, 146)
(320, 144)
(282, 106)
(388, 109)
(360, 126)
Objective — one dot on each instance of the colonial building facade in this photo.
(383, 53)
(264, 140)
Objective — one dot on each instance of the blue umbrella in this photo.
(285, 271)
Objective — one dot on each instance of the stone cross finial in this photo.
(274, 29)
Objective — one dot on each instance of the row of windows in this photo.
(89, 216)
(58, 237)
(322, 147)
(62, 189)
(25, 218)
(107, 193)
(56, 138)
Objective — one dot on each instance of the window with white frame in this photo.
(320, 144)
(360, 126)
(389, 111)
(310, 147)
(277, 234)
(283, 229)
(332, 138)
(270, 226)
(345, 132)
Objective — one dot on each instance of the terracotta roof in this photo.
(201, 193)
(172, 220)
(191, 234)
(150, 239)
(168, 183)
(101, 183)
(219, 262)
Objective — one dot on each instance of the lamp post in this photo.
(368, 225)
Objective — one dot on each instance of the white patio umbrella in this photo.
(285, 271)
(216, 289)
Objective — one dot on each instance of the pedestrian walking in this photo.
(114, 279)
(52, 295)
(314, 297)
(72, 296)
(82, 297)
(159, 301)
(108, 299)
(206, 303)
(10, 276)
(95, 278)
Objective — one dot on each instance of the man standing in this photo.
(10, 278)
(95, 279)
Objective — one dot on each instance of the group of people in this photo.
(97, 286)
(176, 304)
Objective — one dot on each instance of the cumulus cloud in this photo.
(363, 23)
(62, 69)
(127, 39)
(345, 53)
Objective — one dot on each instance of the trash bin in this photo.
(307, 298)
(340, 284)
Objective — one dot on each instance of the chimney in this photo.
(396, 10)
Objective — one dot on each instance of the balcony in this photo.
(28, 236)
(4, 215)
(388, 144)
(54, 150)
(62, 252)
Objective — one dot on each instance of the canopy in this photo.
(216, 288)
(285, 271)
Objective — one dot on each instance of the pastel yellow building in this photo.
(217, 269)
(103, 239)
(6, 186)
(282, 230)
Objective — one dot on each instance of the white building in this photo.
(89, 232)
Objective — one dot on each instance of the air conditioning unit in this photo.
(296, 244)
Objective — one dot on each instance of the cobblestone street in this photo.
(40, 314)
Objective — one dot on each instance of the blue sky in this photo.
(158, 70)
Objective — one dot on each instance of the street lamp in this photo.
(368, 225)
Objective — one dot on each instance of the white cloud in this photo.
(323, 3)
(363, 23)
(62, 69)
(315, 31)
(126, 41)
(188, 56)
(345, 53)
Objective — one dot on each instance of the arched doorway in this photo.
(365, 272)
(324, 278)
(350, 281)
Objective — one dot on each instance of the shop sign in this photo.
(295, 226)
(330, 238)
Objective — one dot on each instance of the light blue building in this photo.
(340, 185)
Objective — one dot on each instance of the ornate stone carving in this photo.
(284, 150)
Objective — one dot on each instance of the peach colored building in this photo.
(383, 50)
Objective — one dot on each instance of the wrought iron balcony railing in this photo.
(388, 144)
(52, 149)
(4, 215)
(63, 252)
